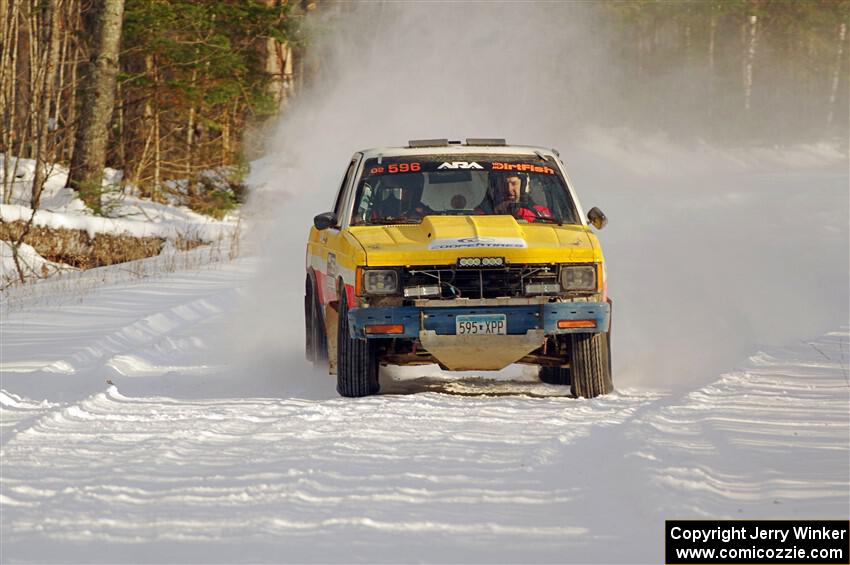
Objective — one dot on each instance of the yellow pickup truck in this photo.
(471, 255)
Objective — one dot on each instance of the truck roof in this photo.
(446, 147)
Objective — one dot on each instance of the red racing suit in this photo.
(529, 214)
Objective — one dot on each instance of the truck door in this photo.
(334, 262)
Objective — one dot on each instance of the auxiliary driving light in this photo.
(481, 262)
(421, 291)
(542, 288)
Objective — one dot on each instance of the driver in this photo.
(509, 195)
(402, 195)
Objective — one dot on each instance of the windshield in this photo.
(401, 190)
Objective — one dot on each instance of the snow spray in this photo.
(711, 251)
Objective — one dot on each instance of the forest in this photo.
(167, 90)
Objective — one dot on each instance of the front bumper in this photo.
(520, 318)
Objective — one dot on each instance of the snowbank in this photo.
(207, 230)
(32, 264)
(122, 213)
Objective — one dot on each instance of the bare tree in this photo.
(47, 75)
(751, 35)
(97, 101)
(8, 93)
(836, 72)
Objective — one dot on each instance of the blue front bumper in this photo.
(520, 319)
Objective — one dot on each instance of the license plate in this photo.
(481, 324)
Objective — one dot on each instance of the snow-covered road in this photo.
(161, 415)
(182, 456)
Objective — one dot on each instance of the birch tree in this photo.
(751, 28)
(836, 73)
(47, 72)
(97, 101)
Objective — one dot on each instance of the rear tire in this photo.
(590, 365)
(309, 342)
(316, 345)
(357, 359)
(320, 335)
(555, 375)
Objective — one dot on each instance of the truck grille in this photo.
(486, 282)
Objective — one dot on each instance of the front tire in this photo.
(590, 365)
(357, 359)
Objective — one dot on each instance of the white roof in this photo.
(456, 149)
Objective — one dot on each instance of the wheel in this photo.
(555, 375)
(316, 345)
(320, 338)
(309, 340)
(357, 359)
(590, 365)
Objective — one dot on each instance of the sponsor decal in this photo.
(330, 275)
(522, 167)
(460, 165)
(478, 242)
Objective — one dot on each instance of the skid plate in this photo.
(480, 352)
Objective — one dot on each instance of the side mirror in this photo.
(597, 218)
(324, 221)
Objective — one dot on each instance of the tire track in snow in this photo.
(17, 413)
(106, 348)
(769, 440)
(278, 471)
(429, 475)
(125, 331)
(112, 348)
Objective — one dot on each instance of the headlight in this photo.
(578, 278)
(380, 281)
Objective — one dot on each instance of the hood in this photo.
(440, 240)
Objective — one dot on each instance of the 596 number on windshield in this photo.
(396, 168)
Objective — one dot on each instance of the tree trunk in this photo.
(50, 25)
(57, 149)
(225, 141)
(836, 72)
(4, 7)
(71, 121)
(712, 42)
(712, 32)
(748, 66)
(35, 65)
(157, 153)
(274, 64)
(190, 125)
(288, 75)
(7, 39)
(97, 101)
(8, 89)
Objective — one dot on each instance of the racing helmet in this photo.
(498, 189)
(399, 194)
(411, 184)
